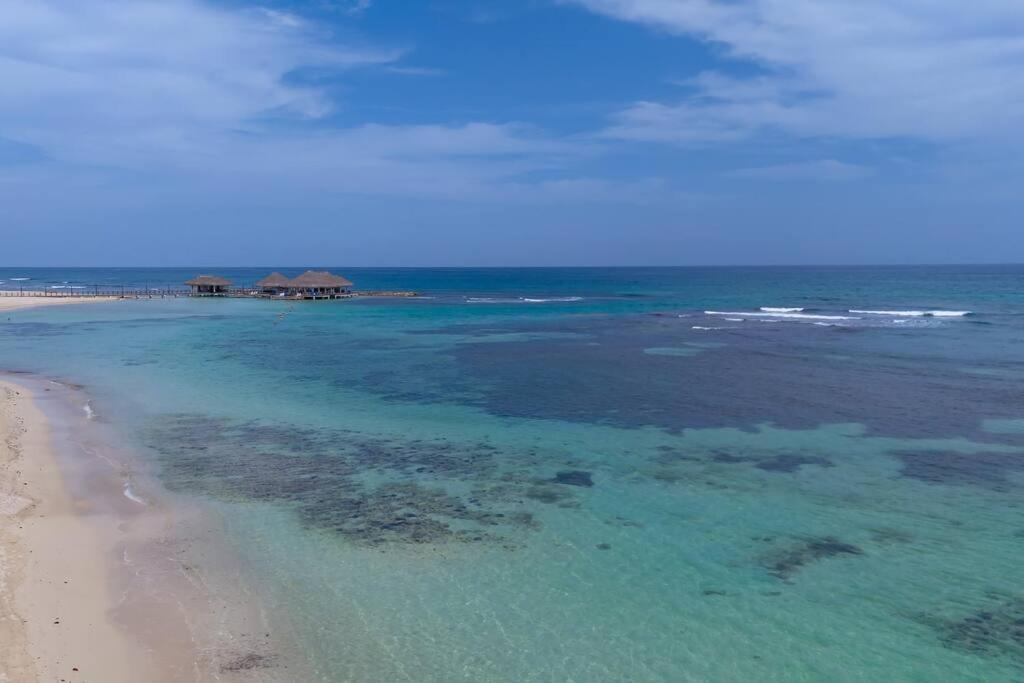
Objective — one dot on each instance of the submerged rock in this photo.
(573, 478)
(248, 662)
(791, 463)
(789, 561)
(994, 630)
(321, 475)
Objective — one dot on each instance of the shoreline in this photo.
(104, 577)
(55, 586)
(29, 300)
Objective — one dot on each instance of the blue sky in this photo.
(541, 132)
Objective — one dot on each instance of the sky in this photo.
(537, 132)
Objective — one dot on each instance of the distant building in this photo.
(208, 285)
(274, 284)
(319, 285)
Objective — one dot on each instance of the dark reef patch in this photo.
(786, 462)
(791, 463)
(667, 476)
(985, 470)
(886, 535)
(994, 631)
(548, 494)
(779, 374)
(370, 491)
(788, 561)
(574, 478)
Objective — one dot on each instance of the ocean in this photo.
(589, 474)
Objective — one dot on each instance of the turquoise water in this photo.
(582, 474)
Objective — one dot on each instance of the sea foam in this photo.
(916, 314)
(794, 316)
(522, 300)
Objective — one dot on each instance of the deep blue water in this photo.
(591, 474)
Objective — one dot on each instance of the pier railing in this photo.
(127, 292)
(97, 291)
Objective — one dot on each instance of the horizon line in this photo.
(533, 267)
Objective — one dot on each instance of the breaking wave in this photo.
(521, 300)
(772, 309)
(794, 316)
(916, 314)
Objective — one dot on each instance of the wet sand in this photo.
(98, 576)
(55, 588)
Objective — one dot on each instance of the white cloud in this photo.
(117, 82)
(827, 170)
(937, 71)
(185, 92)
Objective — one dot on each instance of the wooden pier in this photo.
(109, 292)
(98, 292)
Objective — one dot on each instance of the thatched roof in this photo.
(313, 279)
(274, 280)
(208, 280)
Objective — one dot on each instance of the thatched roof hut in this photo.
(313, 279)
(274, 281)
(208, 281)
(209, 285)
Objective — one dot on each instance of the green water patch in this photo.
(1003, 426)
(687, 349)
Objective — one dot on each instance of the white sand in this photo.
(32, 300)
(56, 593)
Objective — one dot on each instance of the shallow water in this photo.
(553, 474)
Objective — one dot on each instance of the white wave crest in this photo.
(915, 314)
(130, 494)
(771, 309)
(793, 316)
(521, 300)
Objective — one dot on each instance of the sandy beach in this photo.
(102, 576)
(55, 587)
(36, 299)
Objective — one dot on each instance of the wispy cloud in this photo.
(185, 93)
(416, 71)
(824, 170)
(109, 82)
(358, 6)
(850, 68)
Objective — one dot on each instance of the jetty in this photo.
(309, 286)
(313, 285)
